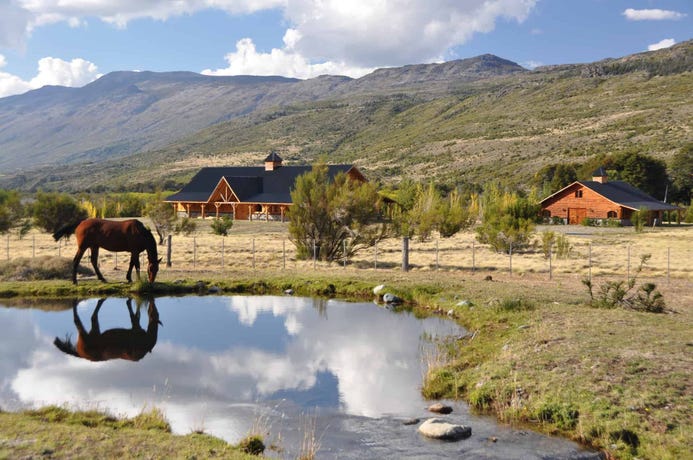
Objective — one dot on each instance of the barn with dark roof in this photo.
(246, 192)
(601, 199)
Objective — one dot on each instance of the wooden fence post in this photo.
(169, 250)
(405, 254)
(437, 259)
(473, 257)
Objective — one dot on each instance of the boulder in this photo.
(440, 408)
(289, 291)
(440, 429)
(410, 421)
(391, 299)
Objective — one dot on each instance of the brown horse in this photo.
(127, 235)
(131, 344)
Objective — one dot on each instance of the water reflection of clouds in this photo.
(372, 353)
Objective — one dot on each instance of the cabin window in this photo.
(578, 193)
(611, 214)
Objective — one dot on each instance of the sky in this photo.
(73, 42)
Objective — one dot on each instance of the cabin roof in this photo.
(252, 184)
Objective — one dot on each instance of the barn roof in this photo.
(251, 184)
(621, 193)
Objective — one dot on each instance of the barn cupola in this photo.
(273, 161)
(599, 175)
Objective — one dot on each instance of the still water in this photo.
(348, 372)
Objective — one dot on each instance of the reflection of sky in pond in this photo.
(218, 353)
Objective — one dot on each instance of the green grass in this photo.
(55, 432)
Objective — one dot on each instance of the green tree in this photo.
(162, 215)
(336, 218)
(53, 210)
(507, 219)
(551, 178)
(642, 171)
(681, 174)
(11, 210)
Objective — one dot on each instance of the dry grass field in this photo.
(606, 253)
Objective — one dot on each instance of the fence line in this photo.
(587, 258)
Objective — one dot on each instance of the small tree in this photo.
(163, 216)
(507, 219)
(333, 218)
(222, 226)
(53, 210)
(639, 219)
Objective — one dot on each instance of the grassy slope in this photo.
(517, 124)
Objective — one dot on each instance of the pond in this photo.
(349, 373)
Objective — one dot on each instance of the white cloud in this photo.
(353, 38)
(246, 60)
(532, 64)
(666, 43)
(51, 71)
(652, 15)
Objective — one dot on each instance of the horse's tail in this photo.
(65, 230)
(66, 346)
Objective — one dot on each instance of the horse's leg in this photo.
(136, 258)
(75, 263)
(95, 262)
(134, 316)
(95, 328)
(134, 262)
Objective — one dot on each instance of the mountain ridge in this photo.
(458, 121)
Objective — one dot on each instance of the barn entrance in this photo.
(576, 215)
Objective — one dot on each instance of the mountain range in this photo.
(459, 121)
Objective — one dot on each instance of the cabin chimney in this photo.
(273, 161)
(599, 175)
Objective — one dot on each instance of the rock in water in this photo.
(440, 408)
(391, 299)
(440, 429)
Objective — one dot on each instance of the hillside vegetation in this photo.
(430, 122)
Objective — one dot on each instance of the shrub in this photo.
(613, 294)
(563, 246)
(588, 222)
(186, 226)
(548, 238)
(222, 226)
(639, 219)
(252, 445)
(53, 210)
(564, 416)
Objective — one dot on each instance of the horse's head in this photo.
(153, 269)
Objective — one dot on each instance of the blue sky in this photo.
(73, 42)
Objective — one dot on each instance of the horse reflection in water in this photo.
(119, 343)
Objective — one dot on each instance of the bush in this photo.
(187, 226)
(222, 226)
(252, 445)
(53, 210)
(588, 222)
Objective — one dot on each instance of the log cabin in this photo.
(246, 192)
(601, 199)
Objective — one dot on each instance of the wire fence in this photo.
(669, 255)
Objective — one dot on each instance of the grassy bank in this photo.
(536, 353)
(54, 432)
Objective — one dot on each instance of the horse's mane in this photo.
(66, 230)
(66, 346)
(148, 235)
